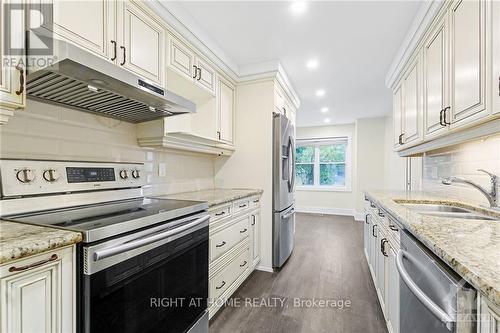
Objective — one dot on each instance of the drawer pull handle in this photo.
(243, 231)
(242, 206)
(372, 205)
(243, 264)
(221, 244)
(393, 227)
(381, 214)
(253, 221)
(220, 214)
(222, 285)
(35, 264)
(21, 80)
(255, 201)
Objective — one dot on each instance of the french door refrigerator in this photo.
(283, 189)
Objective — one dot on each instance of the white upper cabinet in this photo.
(181, 58)
(436, 82)
(397, 110)
(495, 77)
(412, 102)
(12, 90)
(142, 42)
(69, 20)
(468, 60)
(190, 66)
(225, 111)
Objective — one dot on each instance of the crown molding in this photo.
(182, 23)
(426, 13)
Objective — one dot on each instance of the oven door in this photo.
(159, 284)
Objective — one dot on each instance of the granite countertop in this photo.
(214, 196)
(19, 240)
(470, 247)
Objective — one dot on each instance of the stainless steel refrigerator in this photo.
(283, 189)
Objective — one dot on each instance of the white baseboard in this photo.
(359, 216)
(331, 211)
(264, 269)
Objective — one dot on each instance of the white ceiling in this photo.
(353, 41)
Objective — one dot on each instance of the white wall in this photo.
(370, 146)
(251, 164)
(323, 201)
(47, 131)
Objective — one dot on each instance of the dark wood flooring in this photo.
(327, 264)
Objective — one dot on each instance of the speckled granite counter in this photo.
(214, 196)
(19, 240)
(470, 247)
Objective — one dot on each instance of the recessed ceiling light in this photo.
(325, 109)
(326, 120)
(320, 93)
(298, 7)
(312, 63)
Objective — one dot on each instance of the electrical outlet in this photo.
(162, 169)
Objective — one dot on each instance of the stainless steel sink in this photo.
(446, 211)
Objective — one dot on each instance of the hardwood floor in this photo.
(327, 263)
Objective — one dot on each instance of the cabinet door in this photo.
(468, 61)
(181, 58)
(39, 299)
(397, 110)
(393, 290)
(366, 236)
(373, 248)
(255, 241)
(225, 114)
(206, 75)
(412, 102)
(495, 84)
(12, 88)
(141, 48)
(381, 268)
(88, 24)
(435, 83)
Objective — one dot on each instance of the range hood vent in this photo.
(86, 82)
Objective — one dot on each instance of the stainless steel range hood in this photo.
(83, 81)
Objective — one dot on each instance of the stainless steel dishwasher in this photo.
(433, 298)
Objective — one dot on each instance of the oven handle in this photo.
(111, 251)
(421, 296)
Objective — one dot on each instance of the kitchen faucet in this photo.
(491, 195)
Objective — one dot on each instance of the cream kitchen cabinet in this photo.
(38, 293)
(412, 103)
(124, 32)
(190, 66)
(495, 74)
(225, 110)
(397, 110)
(255, 237)
(436, 79)
(12, 89)
(468, 26)
(141, 41)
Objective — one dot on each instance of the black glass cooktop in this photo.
(109, 219)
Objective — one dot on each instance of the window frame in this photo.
(316, 143)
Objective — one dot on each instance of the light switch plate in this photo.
(162, 169)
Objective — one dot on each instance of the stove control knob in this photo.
(135, 174)
(25, 176)
(123, 174)
(51, 175)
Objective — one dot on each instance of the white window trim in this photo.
(348, 164)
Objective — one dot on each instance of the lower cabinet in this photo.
(38, 293)
(393, 290)
(234, 248)
(489, 316)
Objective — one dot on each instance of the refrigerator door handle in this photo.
(291, 165)
(287, 215)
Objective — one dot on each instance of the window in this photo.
(323, 164)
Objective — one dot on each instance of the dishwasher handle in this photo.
(422, 297)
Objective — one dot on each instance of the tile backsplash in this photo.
(46, 131)
(463, 160)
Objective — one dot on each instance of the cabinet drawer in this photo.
(241, 205)
(222, 281)
(254, 202)
(228, 237)
(220, 213)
